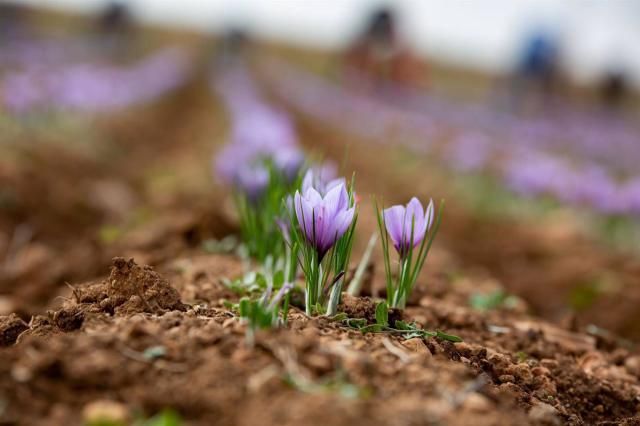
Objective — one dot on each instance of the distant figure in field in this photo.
(12, 22)
(116, 30)
(613, 89)
(231, 48)
(537, 73)
(115, 18)
(379, 54)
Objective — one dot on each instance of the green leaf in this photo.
(261, 281)
(244, 307)
(356, 322)
(449, 337)
(382, 314)
(166, 418)
(489, 301)
(278, 279)
(340, 317)
(401, 325)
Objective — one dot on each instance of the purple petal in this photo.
(394, 222)
(336, 200)
(307, 181)
(343, 221)
(414, 222)
(428, 216)
(313, 197)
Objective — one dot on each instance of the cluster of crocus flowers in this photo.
(323, 227)
(94, 87)
(410, 228)
(262, 162)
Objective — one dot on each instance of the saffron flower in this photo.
(322, 227)
(408, 225)
(410, 228)
(263, 163)
(324, 220)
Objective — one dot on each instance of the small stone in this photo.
(544, 414)
(478, 403)
(318, 362)
(21, 374)
(416, 346)
(632, 364)
(6, 305)
(105, 411)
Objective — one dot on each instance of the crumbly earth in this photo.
(113, 305)
(144, 340)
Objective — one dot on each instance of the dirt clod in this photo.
(134, 288)
(10, 328)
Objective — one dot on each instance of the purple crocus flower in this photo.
(288, 160)
(323, 220)
(399, 221)
(252, 181)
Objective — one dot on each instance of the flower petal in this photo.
(343, 221)
(428, 216)
(394, 220)
(414, 219)
(307, 181)
(313, 197)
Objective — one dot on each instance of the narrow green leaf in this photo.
(382, 314)
(449, 337)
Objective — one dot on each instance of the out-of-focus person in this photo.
(379, 55)
(537, 74)
(613, 89)
(115, 30)
(12, 22)
(231, 48)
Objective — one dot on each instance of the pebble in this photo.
(632, 364)
(21, 374)
(416, 346)
(477, 403)
(6, 305)
(544, 414)
(105, 411)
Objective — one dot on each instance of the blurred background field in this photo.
(524, 117)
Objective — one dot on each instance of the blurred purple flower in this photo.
(288, 160)
(252, 181)
(95, 87)
(321, 179)
(323, 220)
(400, 221)
(286, 288)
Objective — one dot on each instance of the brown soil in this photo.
(130, 340)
